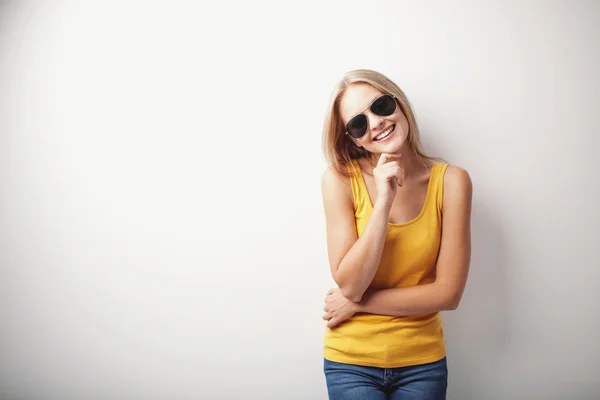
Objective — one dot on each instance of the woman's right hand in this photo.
(388, 176)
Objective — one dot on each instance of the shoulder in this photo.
(458, 187)
(456, 176)
(331, 176)
(336, 184)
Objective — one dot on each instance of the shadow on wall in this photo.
(476, 334)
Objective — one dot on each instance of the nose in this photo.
(375, 121)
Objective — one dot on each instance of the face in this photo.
(356, 99)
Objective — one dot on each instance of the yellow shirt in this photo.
(409, 258)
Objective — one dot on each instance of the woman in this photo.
(398, 239)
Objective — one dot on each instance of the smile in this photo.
(385, 133)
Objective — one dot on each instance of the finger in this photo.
(394, 171)
(325, 308)
(332, 322)
(391, 167)
(392, 164)
(331, 291)
(384, 157)
(396, 179)
(327, 316)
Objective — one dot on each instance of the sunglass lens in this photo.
(357, 126)
(384, 106)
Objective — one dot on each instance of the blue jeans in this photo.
(415, 382)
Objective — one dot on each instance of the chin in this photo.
(392, 147)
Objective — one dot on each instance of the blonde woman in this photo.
(399, 244)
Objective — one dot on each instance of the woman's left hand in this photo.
(338, 308)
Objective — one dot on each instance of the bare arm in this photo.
(353, 260)
(452, 265)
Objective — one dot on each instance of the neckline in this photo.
(423, 209)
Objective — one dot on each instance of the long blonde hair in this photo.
(339, 150)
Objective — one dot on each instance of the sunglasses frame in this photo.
(369, 108)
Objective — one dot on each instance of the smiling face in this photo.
(356, 99)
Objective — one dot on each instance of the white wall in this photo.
(161, 226)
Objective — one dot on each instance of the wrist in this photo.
(361, 306)
(382, 204)
(358, 307)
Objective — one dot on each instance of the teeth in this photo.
(384, 133)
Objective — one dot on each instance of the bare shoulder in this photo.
(458, 187)
(336, 185)
(332, 176)
(457, 177)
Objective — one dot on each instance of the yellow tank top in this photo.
(409, 258)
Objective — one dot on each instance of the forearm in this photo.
(420, 299)
(358, 267)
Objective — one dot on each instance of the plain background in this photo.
(161, 226)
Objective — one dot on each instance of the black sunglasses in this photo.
(382, 106)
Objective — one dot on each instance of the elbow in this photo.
(351, 294)
(349, 289)
(452, 302)
(449, 296)
(451, 306)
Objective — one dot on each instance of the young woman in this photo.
(399, 245)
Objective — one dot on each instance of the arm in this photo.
(353, 260)
(452, 265)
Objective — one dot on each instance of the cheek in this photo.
(403, 123)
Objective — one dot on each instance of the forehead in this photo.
(356, 99)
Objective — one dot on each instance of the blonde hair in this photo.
(339, 150)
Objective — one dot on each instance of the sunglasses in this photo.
(382, 106)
